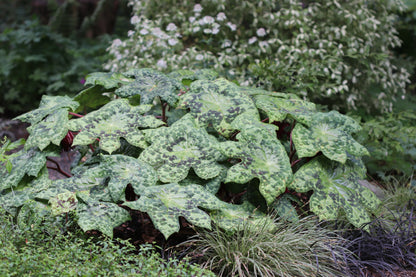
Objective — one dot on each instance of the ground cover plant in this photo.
(190, 145)
(64, 251)
(291, 249)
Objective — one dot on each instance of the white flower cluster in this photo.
(324, 49)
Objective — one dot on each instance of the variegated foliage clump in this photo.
(185, 142)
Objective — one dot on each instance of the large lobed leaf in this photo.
(336, 186)
(278, 106)
(218, 103)
(29, 162)
(182, 146)
(329, 133)
(166, 203)
(149, 83)
(263, 157)
(49, 121)
(111, 122)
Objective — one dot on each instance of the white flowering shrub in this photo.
(334, 52)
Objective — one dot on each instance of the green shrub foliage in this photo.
(37, 61)
(177, 140)
(336, 53)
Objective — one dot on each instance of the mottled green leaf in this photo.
(32, 214)
(48, 105)
(232, 217)
(91, 98)
(200, 74)
(263, 157)
(277, 108)
(182, 146)
(149, 83)
(218, 103)
(29, 162)
(63, 203)
(211, 185)
(285, 209)
(329, 133)
(111, 122)
(166, 203)
(336, 186)
(13, 198)
(52, 129)
(101, 216)
(106, 79)
(123, 170)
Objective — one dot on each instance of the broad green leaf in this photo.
(278, 108)
(329, 133)
(149, 83)
(32, 213)
(63, 203)
(52, 129)
(13, 198)
(91, 98)
(101, 216)
(263, 157)
(336, 186)
(166, 203)
(218, 103)
(48, 105)
(106, 79)
(285, 209)
(29, 162)
(200, 74)
(231, 217)
(182, 146)
(211, 185)
(111, 122)
(123, 170)
(48, 121)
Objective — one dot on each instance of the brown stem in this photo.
(58, 167)
(295, 162)
(75, 114)
(266, 119)
(164, 119)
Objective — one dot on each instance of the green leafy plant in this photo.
(37, 61)
(46, 250)
(185, 143)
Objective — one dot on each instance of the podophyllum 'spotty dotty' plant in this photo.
(178, 139)
(335, 52)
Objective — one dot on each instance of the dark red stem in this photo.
(75, 114)
(58, 168)
(164, 119)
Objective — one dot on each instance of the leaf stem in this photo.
(58, 168)
(164, 105)
(75, 114)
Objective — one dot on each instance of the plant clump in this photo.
(188, 145)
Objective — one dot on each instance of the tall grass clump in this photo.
(283, 249)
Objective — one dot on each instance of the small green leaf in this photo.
(182, 146)
(336, 186)
(165, 203)
(149, 83)
(63, 203)
(111, 122)
(91, 98)
(329, 133)
(32, 214)
(101, 216)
